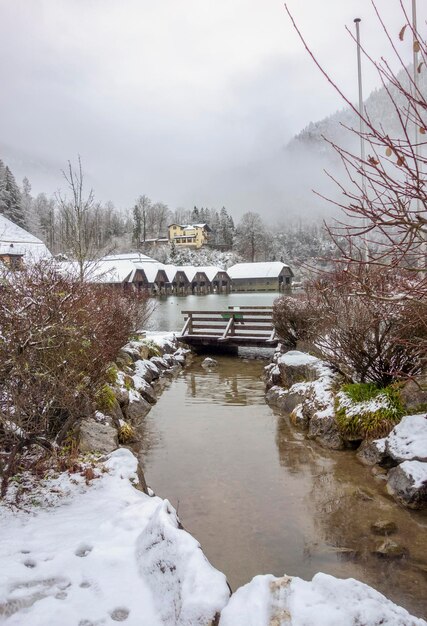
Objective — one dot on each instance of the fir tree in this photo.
(11, 199)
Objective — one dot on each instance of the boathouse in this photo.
(269, 276)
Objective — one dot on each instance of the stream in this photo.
(261, 498)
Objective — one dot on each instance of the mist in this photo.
(191, 104)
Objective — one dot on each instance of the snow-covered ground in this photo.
(323, 601)
(99, 553)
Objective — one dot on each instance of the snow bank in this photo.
(318, 394)
(295, 358)
(324, 601)
(103, 552)
(416, 471)
(408, 440)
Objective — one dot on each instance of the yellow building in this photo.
(189, 235)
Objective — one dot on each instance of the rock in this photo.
(408, 484)
(144, 351)
(408, 439)
(168, 346)
(115, 411)
(173, 371)
(159, 362)
(273, 375)
(97, 437)
(147, 370)
(132, 350)
(137, 407)
(170, 359)
(145, 389)
(299, 417)
(379, 472)
(297, 367)
(209, 363)
(384, 527)
(414, 396)
(325, 600)
(390, 550)
(122, 396)
(372, 452)
(124, 359)
(325, 430)
(180, 358)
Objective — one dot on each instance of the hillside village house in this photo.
(190, 236)
(18, 246)
(274, 276)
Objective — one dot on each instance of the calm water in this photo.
(261, 498)
(167, 315)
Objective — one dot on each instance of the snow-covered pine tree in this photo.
(11, 199)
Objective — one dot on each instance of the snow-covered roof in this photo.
(256, 270)
(190, 226)
(171, 271)
(150, 270)
(101, 271)
(136, 257)
(16, 240)
(210, 270)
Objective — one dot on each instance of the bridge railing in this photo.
(233, 324)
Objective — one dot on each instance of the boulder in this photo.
(137, 408)
(147, 370)
(372, 452)
(408, 439)
(297, 367)
(299, 416)
(159, 362)
(180, 358)
(273, 376)
(286, 401)
(209, 363)
(173, 371)
(145, 389)
(325, 431)
(132, 350)
(122, 396)
(384, 527)
(389, 549)
(94, 436)
(115, 411)
(168, 346)
(408, 484)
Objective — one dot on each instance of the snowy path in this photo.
(104, 554)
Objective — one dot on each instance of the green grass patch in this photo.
(366, 411)
(105, 399)
(153, 348)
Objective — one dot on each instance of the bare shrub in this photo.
(57, 339)
(294, 320)
(367, 339)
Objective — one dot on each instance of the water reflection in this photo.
(261, 498)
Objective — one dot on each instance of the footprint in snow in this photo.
(120, 614)
(83, 550)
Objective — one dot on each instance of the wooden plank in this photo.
(250, 308)
(229, 329)
(257, 313)
(186, 325)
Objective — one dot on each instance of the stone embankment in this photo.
(136, 380)
(308, 390)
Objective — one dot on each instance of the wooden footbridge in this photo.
(230, 329)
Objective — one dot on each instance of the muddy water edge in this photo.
(261, 498)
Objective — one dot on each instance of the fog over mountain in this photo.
(195, 104)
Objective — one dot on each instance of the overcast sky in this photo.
(177, 99)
